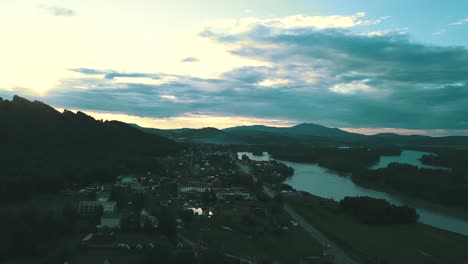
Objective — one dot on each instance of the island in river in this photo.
(326, 183)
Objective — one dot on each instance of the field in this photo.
(254, 237)
(414, 243)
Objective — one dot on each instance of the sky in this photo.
(364, 66)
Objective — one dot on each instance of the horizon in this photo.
(368, 68)
(292, 131)
(171, 124)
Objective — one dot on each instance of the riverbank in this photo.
(413, 243)
(322, 182)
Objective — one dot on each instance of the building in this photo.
(109, 207)
(101, 239)
(89, 207)
(130, 182)
(95, 207)
(111, 220)
(103, 196)
(192, 188)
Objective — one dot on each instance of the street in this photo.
(340, 256)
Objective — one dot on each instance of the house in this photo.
(102, 239)
(103, 196)
(109, 207)
(146, 217)
(216, 183)
(111, 220)
(95, 207)
(89, 208)
(193, 187)
(130, 182)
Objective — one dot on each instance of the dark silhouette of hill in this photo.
(207, 135)
(301, 129)
(420, 140)
(308, 134)
(305, 134)
(43, 149)
(32, 126)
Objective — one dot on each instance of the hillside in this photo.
(306, 135)
(43, 149)
(301, 129)
(207, 135)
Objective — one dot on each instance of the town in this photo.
(206, 205)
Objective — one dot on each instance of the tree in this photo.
(167, 222)
(213, 197)
(162, 253)
(212, 255)
(187, 216)
(185, 257)
(69, 212)
(206, 196)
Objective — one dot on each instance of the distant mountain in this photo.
(308, 129)
(306, 134)
(43, 150)
(420, 140)
(207, 135)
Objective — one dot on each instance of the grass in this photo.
(114, 256)
(261, 240)
(414, 243)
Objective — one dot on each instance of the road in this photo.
(340, 256)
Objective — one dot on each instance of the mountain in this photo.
(309, 134)
(207, 135)
(306, 134)
(37, 126)
(308, 129)
(420, 140)
(43, 149)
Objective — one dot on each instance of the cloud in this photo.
(192, 120)
(113, 75)
(351, 88)
(88, 71)
(330, 71)
(190, 59)
(229, 28)
(58, 10)
(460, 22)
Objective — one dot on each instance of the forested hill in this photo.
(43, 149)
(35, 126)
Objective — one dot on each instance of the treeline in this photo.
(32, 232)
(448, 187)
(452, 158)
(344, 160)
(44, 150)
(373, 211)
(272, 172)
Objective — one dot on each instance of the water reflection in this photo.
(407, 156)
(328, 184)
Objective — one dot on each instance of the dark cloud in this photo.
(58, 10)
(332, 77)
(397, 82)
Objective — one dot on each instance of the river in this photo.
(328, 184)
